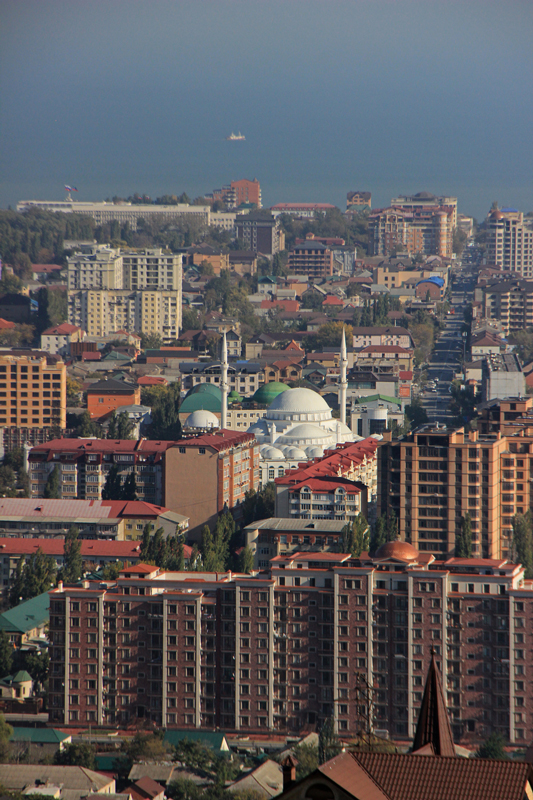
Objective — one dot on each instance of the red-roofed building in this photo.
(152, 380)
(6, 325)
(58, 338)
(336, 486)
(332, 300)
(284, 305)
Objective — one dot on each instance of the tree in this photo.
(328, 741)
(415, 413)
(493, 747)
(151, 341)
(76, 755)
(145, 746)
(72, 560)
(215, 546)
(523, 542)
(39, 575)
(6, 732)
(52, 488)
(259, 505)
(193, 754)
(112, 489)
(6, 655)
(166, 424)
(129, 490)
(17, 584)
(463, 543)
(355, 537)
(180, 566)
(246, 560)
(120, 427)
(307, 758)
(111, 571)
(379, 535)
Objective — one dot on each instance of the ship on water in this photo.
(236, 137)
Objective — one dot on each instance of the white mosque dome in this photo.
(202, 419)
(271, 453)
(315, 452)
(310, 434)
(296, 453)
(299, 405)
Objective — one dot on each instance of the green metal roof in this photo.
(201, 400)
(210, 388)
(268, 392)
(371, 398)
(38, 735)
(27, 615)
(215, 740)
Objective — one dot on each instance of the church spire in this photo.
(433, 722)
(224, 384)
(344, 382)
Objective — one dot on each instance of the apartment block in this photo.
(289, 647)
(243, 377)
(389, 335)
(260, 232)
(433, 477)
(311, 258)
(427, 230)
(152, 268)
(84, 464)
(510, 302)
(206, 474)
(96, 266)
(502, 376)
(510, 241)
(59, 338)
(103, 312)
(33, 391)
(110, 520)
(196, 477)
(238, 193)
(280, 536)
(337, 486)
(423, 200)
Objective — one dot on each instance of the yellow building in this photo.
(33, 391)
(102, 312)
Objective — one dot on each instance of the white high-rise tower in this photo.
(224, 384)
(343, 388)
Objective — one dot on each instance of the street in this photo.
(444, 361)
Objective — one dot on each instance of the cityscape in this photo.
(266, 447)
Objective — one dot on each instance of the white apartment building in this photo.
(96, 266)
(510, 241)
(151, 268)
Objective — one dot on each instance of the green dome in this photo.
(209, 388)
(234, 397)
(205, 401)
(266, 393)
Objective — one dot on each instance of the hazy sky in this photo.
(391, 96)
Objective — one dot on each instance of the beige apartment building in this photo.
(433, 477)
(96, 266)
(423, 200)
(102, 312)
(152, 268)
(510, 302)
(510, 241)
(33, 391)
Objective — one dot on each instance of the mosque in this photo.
(297, 426)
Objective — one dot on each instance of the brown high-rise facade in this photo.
(287, 648)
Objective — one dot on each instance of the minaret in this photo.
(344, 380)
(224, 384)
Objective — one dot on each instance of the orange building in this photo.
(108, 395)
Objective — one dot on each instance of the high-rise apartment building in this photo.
(260, 232)
(311, 258)
(421, 200)
(198, 477)
(510, 302)
(427, 230)
(431, 478)
(289, 647)
(103, 312)
(510, 241)
(96, 266)
(33, 391)
(152, 268)
(238, 193)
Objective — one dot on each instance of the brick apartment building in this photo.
(195, 477)
(311, 258)
(426, 229)
(238, 193)
(433, 477)
(260, 232)
(33, 390)
(282, 650)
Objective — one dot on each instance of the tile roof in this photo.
(111, 385)
(411, 777)
(385, 348)
(62, 329)
(328, 466)
(221, 440)
(42, 509)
